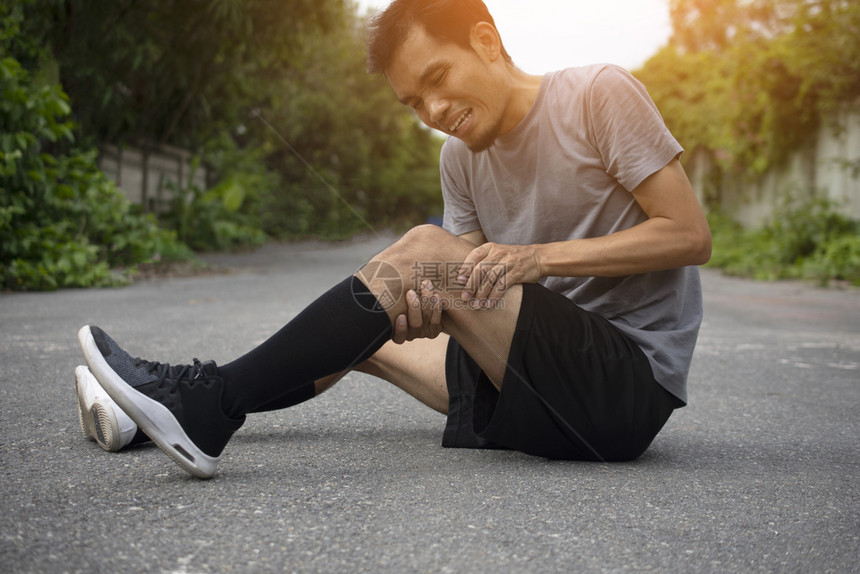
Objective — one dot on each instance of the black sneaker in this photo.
(178, 407)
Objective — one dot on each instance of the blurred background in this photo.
(136, 133)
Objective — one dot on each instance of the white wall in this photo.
(828, 166)
(129, 167)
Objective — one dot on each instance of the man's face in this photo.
(451, 88)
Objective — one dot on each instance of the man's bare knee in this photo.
(424, 238)
(424, 253)
(424, 243)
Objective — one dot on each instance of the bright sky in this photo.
(546, 35)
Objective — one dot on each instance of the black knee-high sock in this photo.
(339, 330)
(290, 399)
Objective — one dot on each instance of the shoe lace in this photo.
(172, 375)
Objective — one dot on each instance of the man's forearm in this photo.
(653, 245)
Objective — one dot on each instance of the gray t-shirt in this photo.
(565, 172)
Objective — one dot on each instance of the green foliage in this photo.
(62, 223)
(173, 72)
(750, 80)
(805, 240)
(342, 143)
(839, 258)
(212, 220)
(272, 95)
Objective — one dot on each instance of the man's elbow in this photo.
(701, 245)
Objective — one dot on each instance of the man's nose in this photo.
(437, 109)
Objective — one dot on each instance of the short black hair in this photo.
(450, 20)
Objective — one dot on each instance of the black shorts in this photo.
(575, 388)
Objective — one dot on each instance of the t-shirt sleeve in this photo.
(631, 136)
(459, 215)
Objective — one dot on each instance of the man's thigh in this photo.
(575, 387)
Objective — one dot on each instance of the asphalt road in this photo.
(758, 474)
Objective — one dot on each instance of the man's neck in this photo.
(524, 91)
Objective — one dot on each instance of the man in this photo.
(570, 305)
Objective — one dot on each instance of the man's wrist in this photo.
(542, 259)
(554, 259)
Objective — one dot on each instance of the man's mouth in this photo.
(460, 121)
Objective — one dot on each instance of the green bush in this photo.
(805, 240)
(221, 218)
(212, 220)
(839, 258)
(62, 222)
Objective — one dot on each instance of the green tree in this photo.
(748, 82)
(172, 71)
(272, 95)
(62, 223)
(371, 151)
(760, 74)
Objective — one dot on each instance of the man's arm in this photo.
(676, 234)
(476, 237)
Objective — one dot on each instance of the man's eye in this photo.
(440, 78)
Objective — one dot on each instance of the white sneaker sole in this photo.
(98, 422)
(151, 416)
(100, 417)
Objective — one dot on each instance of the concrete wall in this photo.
(838, 165)
(144, 174)
(828, 166)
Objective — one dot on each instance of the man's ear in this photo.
(485, 41)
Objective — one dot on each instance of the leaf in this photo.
(233, 196)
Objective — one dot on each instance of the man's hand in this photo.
(492, 268)
(423, 317)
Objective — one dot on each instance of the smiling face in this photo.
(461, 92)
